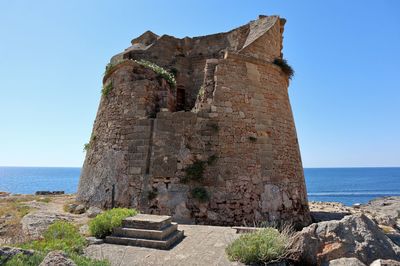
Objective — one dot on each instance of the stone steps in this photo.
(147, 243)
(146, 233)
(144, 230)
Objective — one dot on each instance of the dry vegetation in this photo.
(12, 209)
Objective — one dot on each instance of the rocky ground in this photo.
(340, 235)
(24, 217)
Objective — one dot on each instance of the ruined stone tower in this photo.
(217, 145)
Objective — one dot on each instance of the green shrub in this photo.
(285, 67)
(200, 193)
(169, 77)
(60, 235)
(106, 89)
(102, 225)
(25, 260)
(258, 247)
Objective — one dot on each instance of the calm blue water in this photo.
(28, 180)
(351, 185)
(346, 185)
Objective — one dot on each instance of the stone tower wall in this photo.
(240, 130)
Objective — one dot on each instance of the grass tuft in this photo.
(260, 247)
(285, 67)
(103, 224)
(25, 260)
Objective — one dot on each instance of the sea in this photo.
(345, 185)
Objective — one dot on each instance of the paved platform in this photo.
(202, 245)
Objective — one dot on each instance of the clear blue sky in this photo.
(345, 95)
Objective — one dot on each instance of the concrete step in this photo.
(167, 243)
(146, 233)
(147, 221)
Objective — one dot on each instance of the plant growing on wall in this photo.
(285, 67)
(87, 146)
(111, 66)
(200, 193)
(152, 194)
(169, 77)
(107, 88)
(252, 139)
(214, 127)
(195, 171)
(212, 159)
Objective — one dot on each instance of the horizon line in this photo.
(304, 167)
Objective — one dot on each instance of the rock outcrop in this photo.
(354, 236)
(7, 253)
(214, 144)
(57, 258)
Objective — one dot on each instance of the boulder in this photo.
(6, 253)
(57, 258)
(70, 207)
(4, 194)
(346, 262)
(35, 223)
(385, 263)
(80, 209)
(353, 236)
(93, 212)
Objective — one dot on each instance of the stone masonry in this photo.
(219, 147)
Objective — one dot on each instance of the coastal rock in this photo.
(4, 194)
(49, 193)
(346, 262)
(381, 262)
(6, 253)
(93, 212)
(57, 258)
(353, 236)
(79, 209)
(70, 207)
(35, 223)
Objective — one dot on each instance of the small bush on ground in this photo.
(103, 224)
(60, 235)
(286, 68)
(63, 236)
(262, 246)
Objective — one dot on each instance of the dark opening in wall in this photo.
(180, 99)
